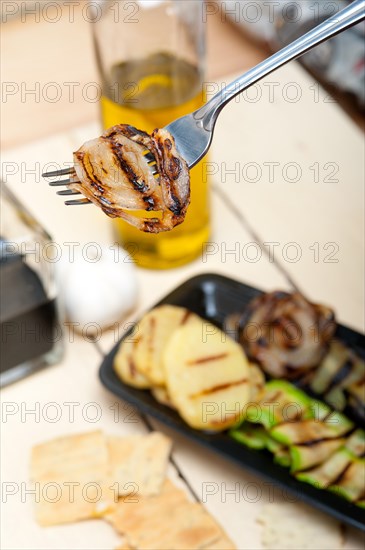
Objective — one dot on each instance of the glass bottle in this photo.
(150, 56)
(30, 332)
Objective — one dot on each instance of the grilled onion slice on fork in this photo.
(127, 172)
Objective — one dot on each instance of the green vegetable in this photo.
(308, 437)
(340, 379)
(273, 446)
(294, 433)
(352, 484)
(282, 457)
(307, 456)
(336, 398)
(280, 401)
(250, 435)
(356, 442)
(324, 475)
(320, 410)
(328, 368)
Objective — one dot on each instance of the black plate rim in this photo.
(323, 500)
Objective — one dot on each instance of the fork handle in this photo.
(349, 16)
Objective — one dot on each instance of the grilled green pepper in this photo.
(311, 430)
(356, 442)
(279, 402)
(326, 474)
(329, 367)
(251, 435)
(351, 485)
(282, 457)
(307, 456)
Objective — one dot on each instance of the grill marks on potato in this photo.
(210, 374)
(207, 359)
(211, 391)
(125, 365)
(154, 330)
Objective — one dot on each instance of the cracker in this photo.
(72, 473)
(139, 463)
(223, 543)
(289, 526)
(168, 521)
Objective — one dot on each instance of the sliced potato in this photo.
(161, 395)
(257, 380)
(207, 375)
(125, 365)
(154, 331)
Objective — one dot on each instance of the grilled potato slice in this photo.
(207, 375)
(161, 395)
(257, 381)
(125, 366)
(154, 331)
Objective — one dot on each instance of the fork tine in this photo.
(68, 192)
(61, 182)
(56, 173)
(76, 202)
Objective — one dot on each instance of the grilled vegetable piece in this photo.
(351, 484)
(356, 443)
(257, 381)
(327, 473)
(329, 367)
(273, 446)
(280, 401)
(250, 435)
(286, 334)
(316, 446)
(311, 430)
(207, 375)
(256, 437)
(355, 394)
(321, 411)
(154, 331)
(161, 395)
(306, 456)
(336, 398)
(125, 365)
(282, 457)
(340, 378)
(114, 174)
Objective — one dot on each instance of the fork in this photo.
(193, 133)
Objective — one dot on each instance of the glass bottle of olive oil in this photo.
(148, 87)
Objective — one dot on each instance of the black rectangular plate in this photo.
(213, 297)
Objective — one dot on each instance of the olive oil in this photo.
(150, 94)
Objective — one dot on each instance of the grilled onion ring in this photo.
(286, 334)
(114, 174)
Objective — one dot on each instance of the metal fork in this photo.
(193, 133)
